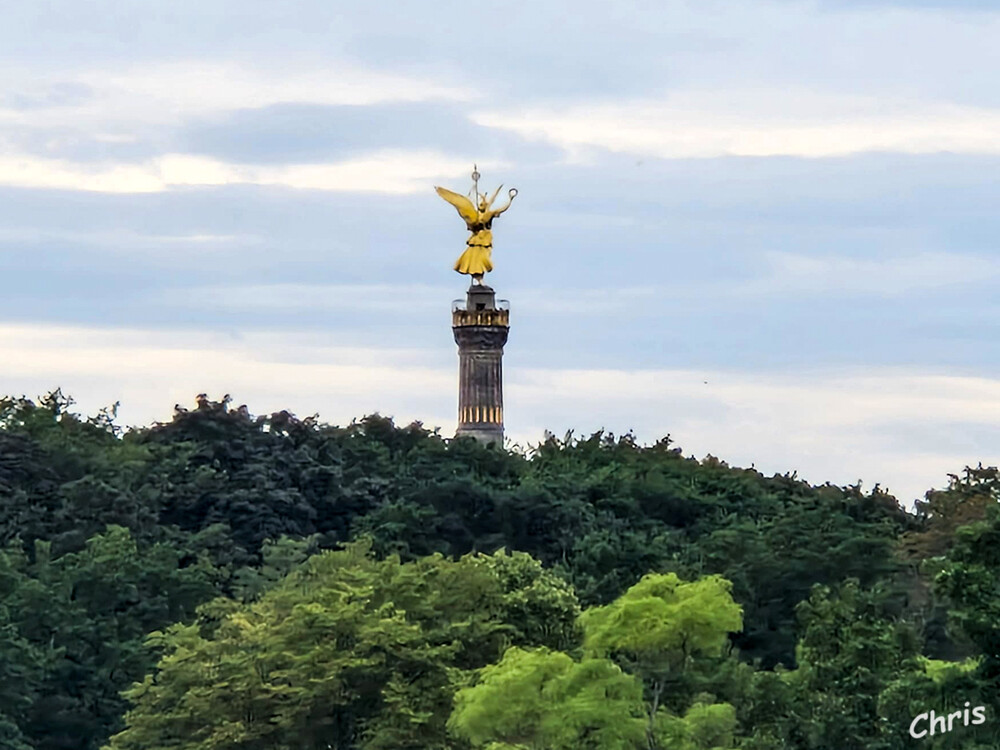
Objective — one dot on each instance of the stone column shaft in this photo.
(480, 331)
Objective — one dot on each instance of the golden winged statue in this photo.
(479, 216)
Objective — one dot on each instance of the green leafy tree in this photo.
(72, 629)
(705, 726)
(851, 649)
(945, 687)
(543, 700)
(345, 652)
(223, 502)
(657, 627)
(93, 609)
(969, 581)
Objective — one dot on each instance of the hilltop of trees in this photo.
(226, 580)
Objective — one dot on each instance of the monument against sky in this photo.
(480, 322)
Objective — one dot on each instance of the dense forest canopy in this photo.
(226, 580)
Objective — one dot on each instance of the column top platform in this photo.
(479, 298)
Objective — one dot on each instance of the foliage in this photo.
(72, 631)
(943, 512)
(108, 534)
(969, 580)
(661, 621)
(346, 651)
(611, 698)
(703, 727)
(543, 700)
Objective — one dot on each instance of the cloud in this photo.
(117, 130)
(940, 6)
(699, 124)
(386, 171)
(403, 298)
(755, 263)
(159, 93)
(302, 133)
(49, 94)
(783, 275)
(122, 238)
(150, 370)
(829, 426)
(898, 275)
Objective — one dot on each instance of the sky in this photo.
(767, 229)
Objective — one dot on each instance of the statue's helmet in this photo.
(482, 203)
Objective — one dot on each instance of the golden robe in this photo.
(476, 259)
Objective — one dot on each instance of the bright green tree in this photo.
(705, 726)
(657, 627)
(543, 700)
(635, 652)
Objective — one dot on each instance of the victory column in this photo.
(480, 323)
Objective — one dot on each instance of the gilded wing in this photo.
(465, 207)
